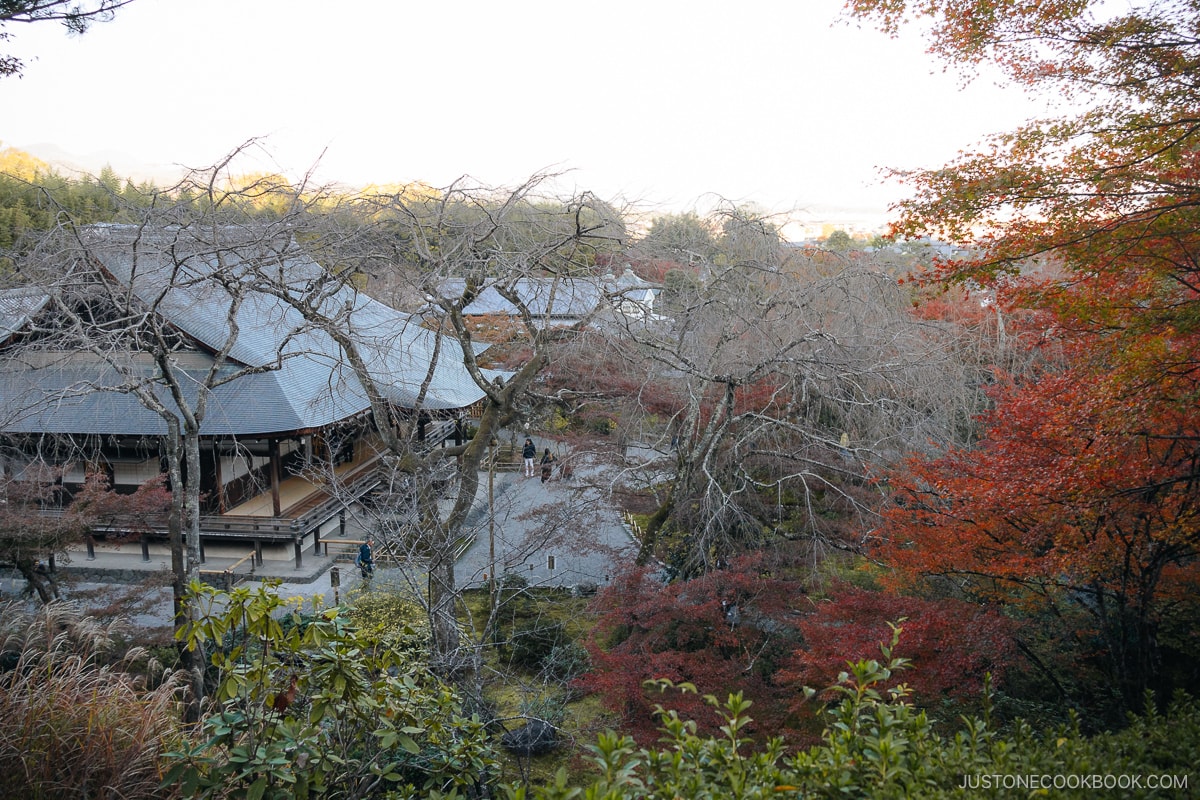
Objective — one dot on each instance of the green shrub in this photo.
(308, 707)
(877, 745)
(392, 619)
(532, 642)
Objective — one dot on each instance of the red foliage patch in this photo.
(951, 643)
(725, 632)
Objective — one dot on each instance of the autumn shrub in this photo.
(391, 618)
(732, 629)
(953, 644)
(77, 716)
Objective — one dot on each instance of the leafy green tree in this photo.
(23, 207)
(748, 237)
(309, 707)
(681, 290)
(34, 198)
(14, 221)
(839, 241)
(686, 238)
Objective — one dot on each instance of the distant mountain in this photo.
(124, 164)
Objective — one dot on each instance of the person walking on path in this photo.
(366, 559)
(528, 452)
(547, 465)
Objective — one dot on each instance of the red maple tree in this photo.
(39, 518)
(1083, 498)
(726, 631)
(952, 644)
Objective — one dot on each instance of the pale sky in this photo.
(668, 104)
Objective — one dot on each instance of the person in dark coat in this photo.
(366, 559)
(547, 465)
(528, 452)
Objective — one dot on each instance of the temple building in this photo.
(249, 329)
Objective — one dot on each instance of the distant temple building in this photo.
(565, 301)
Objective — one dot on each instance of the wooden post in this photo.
(297, 543)
(145, 548)
(273, 449)
(219, 476)
(258, 561)
(91, 548)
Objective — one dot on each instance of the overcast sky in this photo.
(665, 103)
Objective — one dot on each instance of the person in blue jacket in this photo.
(366, 559)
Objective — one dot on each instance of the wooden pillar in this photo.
(299, 551)
(258, 561)
(276, 510)
(218, 476)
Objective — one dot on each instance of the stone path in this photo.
(561, 533)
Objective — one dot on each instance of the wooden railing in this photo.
(635, 527)
(506, 458)
(227, 574)
(231, 525)
(436, 432)
(324, 510)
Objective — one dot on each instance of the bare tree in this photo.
(447, 248)
(791, 373)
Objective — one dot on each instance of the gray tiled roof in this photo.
(17, 306)
(304, 380)
(544, 297)
(556, 298)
